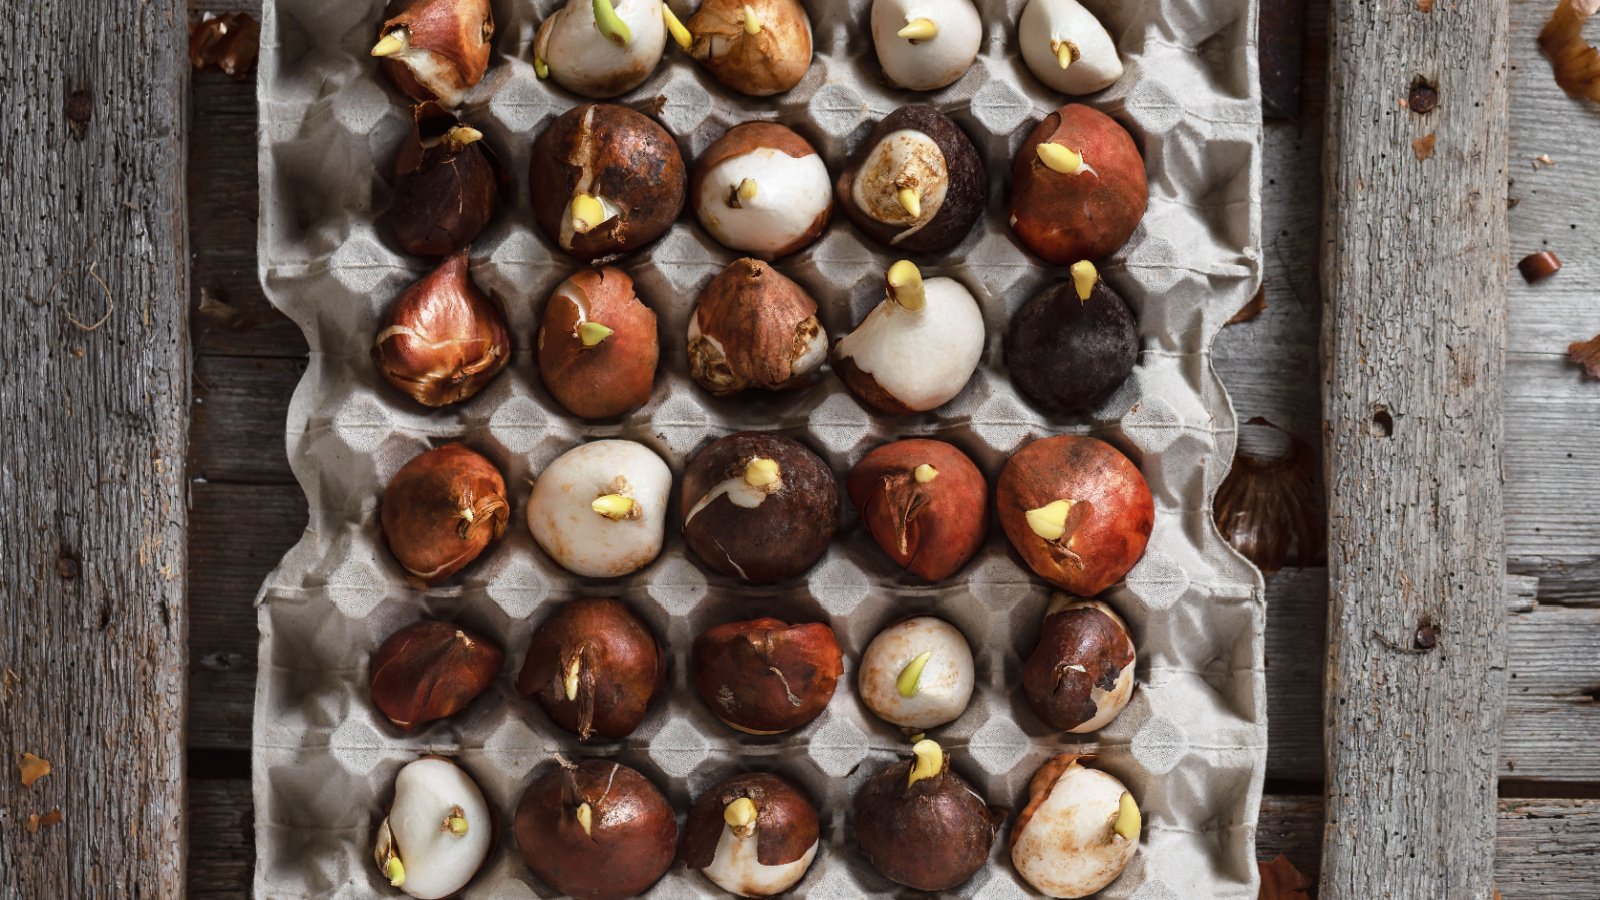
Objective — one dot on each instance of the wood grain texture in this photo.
(1414, 337)
(94, 401)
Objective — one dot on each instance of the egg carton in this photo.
(1192, 743)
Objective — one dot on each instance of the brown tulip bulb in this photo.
(1078, 511)
(446, 185)
(1078, 187)
(924, 503)
(605, 180)
(595, 667)
(431, 670)
(598, 347)
(917, 184)
(1080, 675)
(753, 835)
(759, 47)
(754, 328)
(766, 676)
(759, 507)
(441, 510)
(922, 825)
(435, 49)
(596, 830)
(762, 189)
(1072, 345)
(442, 340)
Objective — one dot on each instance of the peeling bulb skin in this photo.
(1070, 347)
(630, 840)
(1079, 676)
(435, 49)
(758, 534)
(922, 825)
(924, 45)
(1066, 842)
(765, 676)
(594, 667)
(917, 184)
(431, 670)
(441, 341)
(445, 192)
(416, 849)
(924, 502)
(565, 524)
(901, 361)
(1051, 31)
(1078, 187)
(762, 189)
(624, 160)
(1106, 527)
(598, 346)
(753, 835)
(602, 48)
(943, 685)
(758, 48)
(754, 328)
(441, 510)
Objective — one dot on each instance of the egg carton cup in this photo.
(1192, 743)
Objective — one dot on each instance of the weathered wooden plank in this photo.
(94, 401)
(241, 405)
(222, 850)
(1414, 355)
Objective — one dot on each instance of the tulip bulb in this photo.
(435, 49)
(601, 48)
(442, 340)
(924, 45)
(438, 830)
(1067, 48)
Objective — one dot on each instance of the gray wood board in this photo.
(94, 402)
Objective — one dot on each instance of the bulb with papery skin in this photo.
(435, 49)
(595, 668)
(1078, 186)
(1078, 832)
(756, 47)
(598, 346)
(1077, 510)
(922, 825)
(441, 341)
(441, 510)
(924, 45)
(917, 349)
(437, 832)
(754, 328)
(600, 48)
(1079, 676)
(605, 180)
(753, 835)
(762, 189)
(1072, 345)
(758, 506)
(596, 830)
(924, 502)
(917, 674)
(599, 510)
(1066, 47)
(431, 670)
(765, 676)
(446, 185)
(917, 183)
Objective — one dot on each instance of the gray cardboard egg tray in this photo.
(1191, 744)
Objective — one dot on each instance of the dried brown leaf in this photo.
(1586, 354)
(36, 821)
(1280, 880)
(1250, 309)
(33, 768)
(1425, 5)
(1267, 505)
(1424, 146)
(227, 43)
(1576, 64)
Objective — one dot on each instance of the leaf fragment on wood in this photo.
(1423, 146)
(1576, 63)
(33, 768)
(49, 819)
(1586, 354)
(1280, 880)
(1250, 309)
(228, 43)
(1425, 5)
(1267, 505)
